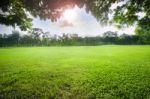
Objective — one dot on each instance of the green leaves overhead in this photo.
(49, 9)
(14, 12)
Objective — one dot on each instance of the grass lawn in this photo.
(106, 72)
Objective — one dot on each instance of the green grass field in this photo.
(107, 72)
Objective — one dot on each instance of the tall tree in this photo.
(36, 33)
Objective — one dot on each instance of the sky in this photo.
(74, 20)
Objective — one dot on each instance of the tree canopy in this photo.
(14, 12)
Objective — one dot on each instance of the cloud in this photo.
(65, 23)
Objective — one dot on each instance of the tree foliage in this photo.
(37, 37)
(14, 12)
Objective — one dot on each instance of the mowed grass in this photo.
(107, 72)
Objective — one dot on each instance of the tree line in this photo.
(36, 37)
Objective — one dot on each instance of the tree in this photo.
(14, 12)
(129, 14)
(15, 36)
(26, 40)
(110, 37)
(110, 34)
(13, 39)
(45, 38)
(45, 35)
(36, 33)
(1, 36)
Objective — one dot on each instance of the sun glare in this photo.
(70, 15)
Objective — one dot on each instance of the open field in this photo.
(108, 72)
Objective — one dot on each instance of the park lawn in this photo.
(85, 72)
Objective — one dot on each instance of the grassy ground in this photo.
(75, 72)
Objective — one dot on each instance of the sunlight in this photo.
(70, 15)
